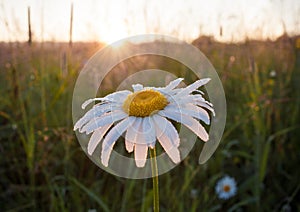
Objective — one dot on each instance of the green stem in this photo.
(155, 180)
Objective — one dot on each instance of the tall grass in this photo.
(44, 169)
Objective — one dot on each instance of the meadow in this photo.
(43, 168)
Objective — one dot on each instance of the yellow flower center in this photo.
(226, 188)
(144, 103)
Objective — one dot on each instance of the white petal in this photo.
(140, 137)
(148, 131)
(130, 135)
(189, 122)
(193, 99)
(198, 129)
(207, 106)
(105, 119)
(185, 99)
(89, 101)
(96, 111)
(118, 96)
(133, 130)
(199, 92)
(110, 139)
(167, 128)
(137, 87)
(187, 90)
(198, 113)
(170, 89)
(176, 116)
(170, 94)
(129, 146)
(180, 100)
(168, 146)
(96, 138)
(190, 110)
(141, 132)
(198, 97)
(140, 154)
(173, 84)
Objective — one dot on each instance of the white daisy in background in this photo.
(143, 115)
(226, 187)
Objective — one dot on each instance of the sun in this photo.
(114, 35)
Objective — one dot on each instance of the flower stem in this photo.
(154, 179)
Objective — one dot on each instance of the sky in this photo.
(108, 20)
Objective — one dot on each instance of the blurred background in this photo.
(253, 45)
(108, 21)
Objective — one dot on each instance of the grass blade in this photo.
(91, 194)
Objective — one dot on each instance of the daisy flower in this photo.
(226, 187)
(144, 116)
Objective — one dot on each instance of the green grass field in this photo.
(44, 169)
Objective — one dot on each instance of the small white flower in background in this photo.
(226, 187)
(143, 115)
